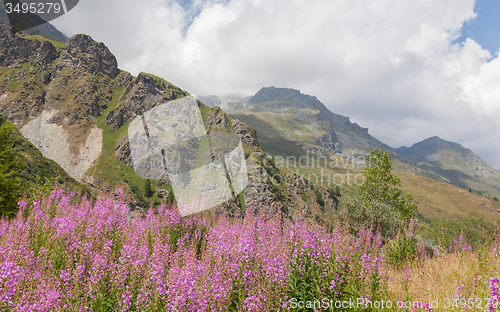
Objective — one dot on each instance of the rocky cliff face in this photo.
(142, 94)
(77, 81)
(260, 195)
(16, 51)
(82, 53)
(75, 105)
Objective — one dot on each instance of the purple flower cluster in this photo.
(495, 293)
(66, 253)
(459, 245)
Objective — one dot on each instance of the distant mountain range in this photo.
(292, 123)
(222, 101)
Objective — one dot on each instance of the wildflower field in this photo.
(63, 252)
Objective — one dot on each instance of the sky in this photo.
(406, 70)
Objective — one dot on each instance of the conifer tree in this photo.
(149, 191)
(10, 165)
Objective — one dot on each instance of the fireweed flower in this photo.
(69, 253)
(494, 300)
(406, 279)
(460, 291)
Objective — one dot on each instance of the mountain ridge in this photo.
(287, 118)
(333, 132)
(453, 161)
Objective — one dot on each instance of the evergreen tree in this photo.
(10, 165)
(170, 197)
(254, 134)
(148, 190)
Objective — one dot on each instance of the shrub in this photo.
(334, 193)
(148, 191)
(380, 185)
(271, 169)
(371, 215)
(319, 198)
(254, 134)
(170, 197)
(276, 192)
(303, 195)
(402, 250)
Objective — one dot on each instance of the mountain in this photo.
(75, 105)
(290, 123)
(453, 162)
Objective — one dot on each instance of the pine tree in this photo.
(10, 165)
(149, 191)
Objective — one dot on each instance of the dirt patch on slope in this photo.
(55, 143)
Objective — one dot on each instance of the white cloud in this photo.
(390, 65)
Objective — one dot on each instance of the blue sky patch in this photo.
(485, 29)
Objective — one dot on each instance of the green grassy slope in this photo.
(36, 166)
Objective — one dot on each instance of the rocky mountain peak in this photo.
(16, 51)
(83, 53)
(286, 97)
(437, 151)
(142, 94)
(79, 43)
(435, 144)
(456, 163)
(436, 141)
(337, 133)
(275, 94)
